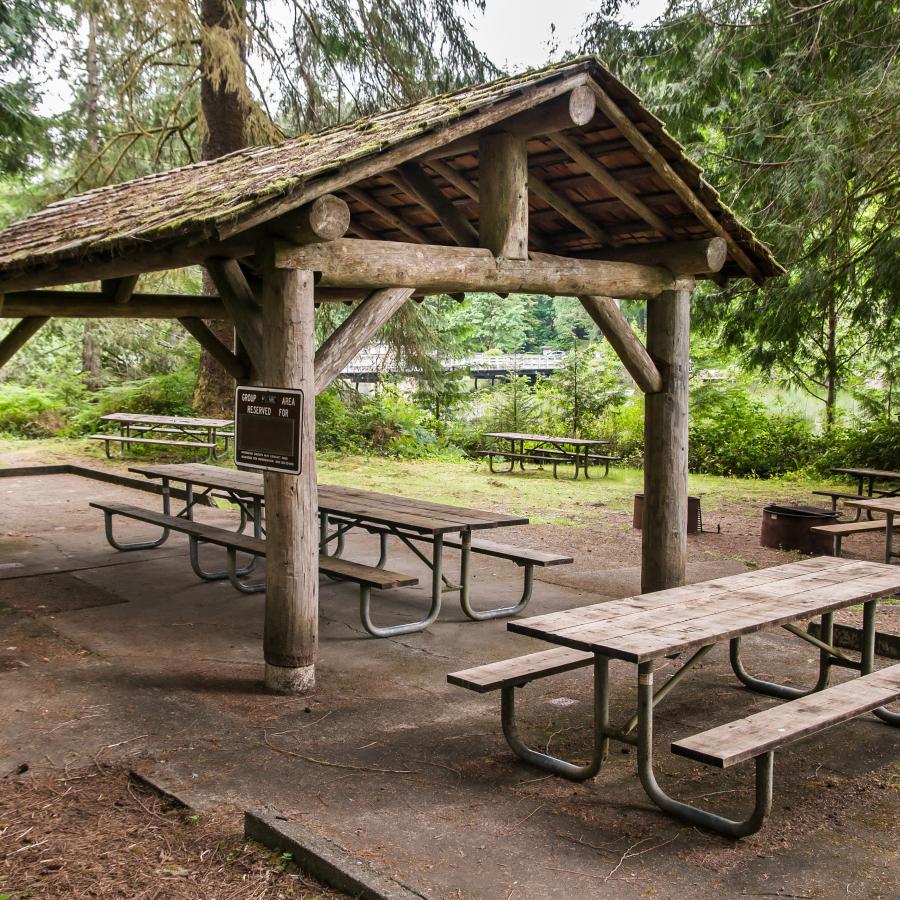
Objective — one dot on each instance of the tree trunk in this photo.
(90, 352)
(225, 118)
(831, 367)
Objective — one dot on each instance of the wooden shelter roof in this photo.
(180, 216)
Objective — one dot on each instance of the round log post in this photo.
(664, 538)
(290, 639)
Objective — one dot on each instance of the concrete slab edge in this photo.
(322, 858)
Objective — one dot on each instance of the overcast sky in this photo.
(516, 34)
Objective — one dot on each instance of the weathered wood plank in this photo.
(733, 743)
(521, 669)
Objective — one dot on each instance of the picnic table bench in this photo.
(547, 450)
(866, 480)
(187, 431)
(342, 509)
(367, 577)
(695, 618)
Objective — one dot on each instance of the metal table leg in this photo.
(692, 814)
(870, 609)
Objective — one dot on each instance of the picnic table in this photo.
(866, 479)
(412, 522)
(645, 629)
(181, 431)
(890, 506)
(547, 449)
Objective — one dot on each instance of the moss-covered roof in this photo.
(216, 199)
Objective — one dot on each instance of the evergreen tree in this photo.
(795, 114)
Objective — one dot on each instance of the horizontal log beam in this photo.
(355, 332)
(448, 270)
(19, 337)
(679, 257)
(97, 305)
(198, 329)
(609, 319)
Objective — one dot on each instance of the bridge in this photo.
(370, 365)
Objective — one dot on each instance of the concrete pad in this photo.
(145, 662)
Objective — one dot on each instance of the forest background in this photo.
(791, 108)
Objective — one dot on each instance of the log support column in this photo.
(292, 556)
(664, 547)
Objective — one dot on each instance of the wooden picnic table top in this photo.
(543, 438)
(650, 626)
(423, 516)
(877, 504)
(868, 473)
(148, 419)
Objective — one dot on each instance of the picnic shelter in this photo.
(557, 182)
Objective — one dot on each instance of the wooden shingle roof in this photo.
(227, 198)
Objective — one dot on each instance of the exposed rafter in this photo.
(665, 171)
(568, 210)
(602, 175)
(387, 215)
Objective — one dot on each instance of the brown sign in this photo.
(268, 431)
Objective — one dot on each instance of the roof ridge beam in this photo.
(575, 108)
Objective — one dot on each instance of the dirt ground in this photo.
(113, 661)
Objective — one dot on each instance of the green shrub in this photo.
(161, 395)
(384, 423)
(730, 433)
(872, 444)
(29, 412)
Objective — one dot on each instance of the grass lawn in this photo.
(463, 482)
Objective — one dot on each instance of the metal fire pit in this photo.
(788, 528)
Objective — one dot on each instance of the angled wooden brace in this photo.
(355, 332)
